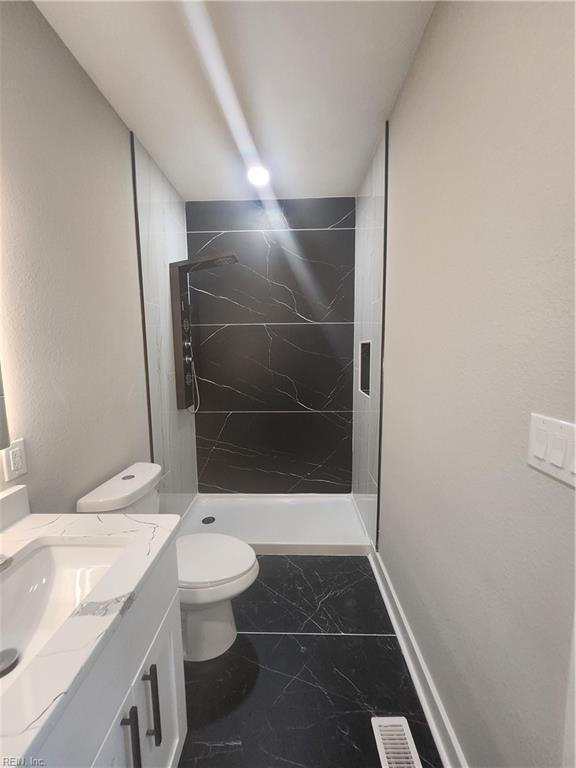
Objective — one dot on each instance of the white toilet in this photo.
(212, 568)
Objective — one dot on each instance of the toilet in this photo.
(212, 568)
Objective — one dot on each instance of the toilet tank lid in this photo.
(123, 489)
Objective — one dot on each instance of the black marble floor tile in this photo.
(316, 213)
(305, 593)
(300, 452)
(277, 277)
(299, 700)
(275, 367)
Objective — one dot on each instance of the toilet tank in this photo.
(134, 490)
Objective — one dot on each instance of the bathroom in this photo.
(287, 384)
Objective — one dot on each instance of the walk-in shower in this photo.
(255, 371)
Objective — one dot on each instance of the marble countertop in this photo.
(39, 691)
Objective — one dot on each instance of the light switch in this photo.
(557, 450)
(540, 443)
(552, 447)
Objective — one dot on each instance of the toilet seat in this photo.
(208, 560)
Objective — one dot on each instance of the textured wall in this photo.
(71, 345)
(479, 333)
(162, 223)
(274, 345)
(368, 327)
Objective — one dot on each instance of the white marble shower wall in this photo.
(368, 327)
(162, 222)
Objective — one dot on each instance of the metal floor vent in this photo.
(395, 744)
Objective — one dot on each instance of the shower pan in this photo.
(282, 523)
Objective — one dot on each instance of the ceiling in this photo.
(315, 82)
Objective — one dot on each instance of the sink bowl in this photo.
(42, 586)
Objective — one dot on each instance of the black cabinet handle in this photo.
(152, 678)
(132, 722)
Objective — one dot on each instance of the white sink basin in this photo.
(69, 583)
(43, 585)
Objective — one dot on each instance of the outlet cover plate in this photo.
(14, 460)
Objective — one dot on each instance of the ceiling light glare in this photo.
(258, 175)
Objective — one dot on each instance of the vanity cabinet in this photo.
(160, 695)
(117, 747)
(129, 709)
(150, 726)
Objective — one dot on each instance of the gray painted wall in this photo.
(479, 333)
(71, 344)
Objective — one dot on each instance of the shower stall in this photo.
(255, 365)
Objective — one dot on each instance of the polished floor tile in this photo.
(314, 661)
(299, 700)
(313, 594)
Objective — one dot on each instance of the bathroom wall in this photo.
(479, 333)
(162, 226)
(71, 336)
(274, 344)
(368, 328)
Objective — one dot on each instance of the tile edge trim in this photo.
(443, 733)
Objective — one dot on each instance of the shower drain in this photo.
(208, 520)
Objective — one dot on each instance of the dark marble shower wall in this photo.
(273, 336)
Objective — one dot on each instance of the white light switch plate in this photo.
(552, 449)
(14, 460)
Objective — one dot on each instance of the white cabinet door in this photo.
(159, 695)
(121, 747)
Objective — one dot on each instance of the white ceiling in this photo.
(315, 81)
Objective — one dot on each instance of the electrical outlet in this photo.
(14, 460)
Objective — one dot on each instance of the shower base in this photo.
(308, 523)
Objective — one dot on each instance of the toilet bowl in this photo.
(212, 568)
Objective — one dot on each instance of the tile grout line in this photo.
(236, 325)
(280, 229)
(306, 410)
(324, 634)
